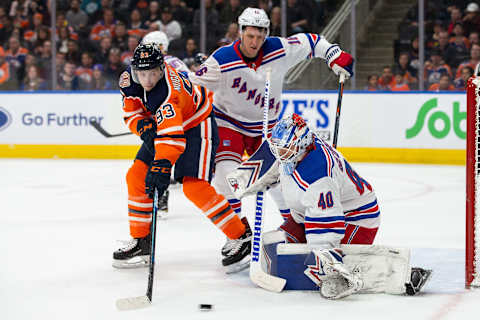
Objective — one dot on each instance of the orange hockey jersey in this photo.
(174, 103)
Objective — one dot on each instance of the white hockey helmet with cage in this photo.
(159, 38)
(254, 17)
(290, 139)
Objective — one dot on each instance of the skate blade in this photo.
(162, 214)
(133, 303)
(238, 266)
(133, 263)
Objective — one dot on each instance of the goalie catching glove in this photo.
(340, 62)
(329, 273)
(147, 129)
(158, 176)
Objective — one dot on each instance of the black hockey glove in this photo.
(158, 176)
(148, 131)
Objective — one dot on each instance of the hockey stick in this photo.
(339, 107)
(104, 133)
(257, 275)
(146, 300)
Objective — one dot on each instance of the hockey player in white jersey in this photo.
(236, 73)
(160, 38)
(331, 205)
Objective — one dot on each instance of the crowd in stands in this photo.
(95, 39)
(452, 49)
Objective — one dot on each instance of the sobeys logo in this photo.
(437, 117)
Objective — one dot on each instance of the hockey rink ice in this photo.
(60, 221)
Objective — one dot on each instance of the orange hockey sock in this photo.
(139, 204)
(214, 206)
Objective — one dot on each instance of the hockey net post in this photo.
(472, 246)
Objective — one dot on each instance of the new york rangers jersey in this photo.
(325, 193)
(239, 85)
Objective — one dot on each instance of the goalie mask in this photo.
(159, 38)
(254, 17)
(290, 139)
(146, 57)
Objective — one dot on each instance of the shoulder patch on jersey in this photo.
(124, 80)
(271, 44)
(226, 54)
(315, 166)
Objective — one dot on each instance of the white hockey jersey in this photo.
(239, 86)
(325, 193)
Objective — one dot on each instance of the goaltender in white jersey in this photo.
(236, 74)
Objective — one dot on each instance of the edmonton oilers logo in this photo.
(5, 118)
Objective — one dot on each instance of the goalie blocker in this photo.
(347, 270)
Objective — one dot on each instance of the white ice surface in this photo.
(60, 219)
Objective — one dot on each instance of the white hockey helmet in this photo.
(254, 17)
(290, 139)
(159, 38)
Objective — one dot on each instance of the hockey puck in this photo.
(205, 307)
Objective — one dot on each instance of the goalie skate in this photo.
(135, 254)
(418, 278)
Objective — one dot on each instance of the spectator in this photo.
(6, 28)
(121, 36)
(458, 35)
(231, 35)
(73, 53)
(372, 83)
(435, 68)
(67, 80)
(102, 53)
(442, 43)
(276, 22)
(127, 55)
(15, 55)
(474, 59)
(442, 85)
(413, 54)
(465, 73)
(230, 13)
(473, 38)
(105, 27)
(455, 17)
(62, 41)
(188, 55)
(45, 60)
(153, 13)
(33, 81)
(42, 36)
(114, 66)
(31, 35)
(386, 81)
(399, 83)
(170, 27)
(213, 25)
(136, 26)
(84, 71)
(4, 71)
(76, 17)
(297, 18)
(471, 20)
(404, 68)
(99, 82)
(456, 52)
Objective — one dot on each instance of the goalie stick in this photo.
(104, 132)
(146, 300)
(257, 274)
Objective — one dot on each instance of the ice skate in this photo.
(135, 254)
(238, 258)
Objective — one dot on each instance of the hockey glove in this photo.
(340, 62)
(158, 176)
(148, 131)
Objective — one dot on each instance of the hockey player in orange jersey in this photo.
(176, 118)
